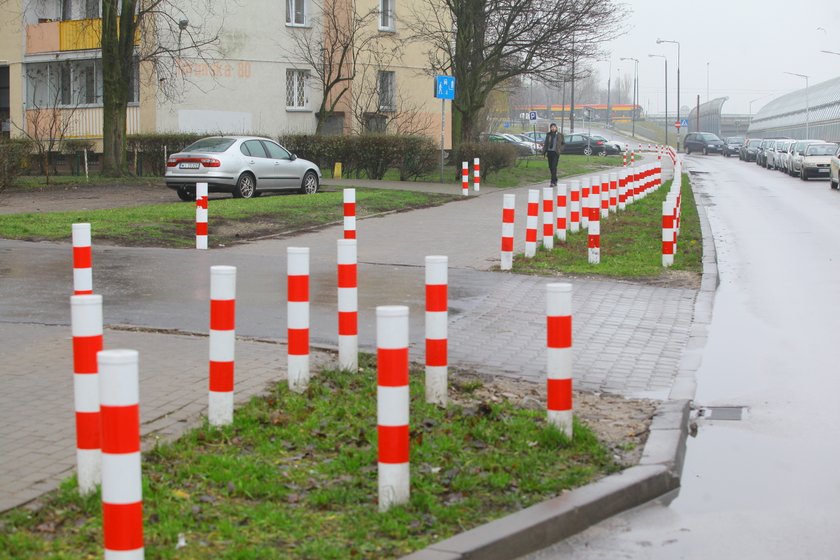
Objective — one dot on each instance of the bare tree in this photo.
(168, 30)
(334, 52)
(484, 43)
(54, 102)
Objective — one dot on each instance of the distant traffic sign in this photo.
(684, 123)
(677, 124)
(532, 116)
(445, 87)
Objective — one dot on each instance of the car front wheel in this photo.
(587, 151)
(246, 186)
(185, 194)
(309, 185)
(803, 175)
(833, 183)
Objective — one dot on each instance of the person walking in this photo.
(552, 146)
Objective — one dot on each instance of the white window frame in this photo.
(291, 12)
(386, 15)
(299, 90)
(390, 105)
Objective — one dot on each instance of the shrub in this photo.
(416, 156)
(14, 159)
(148, 152)
(494, 156)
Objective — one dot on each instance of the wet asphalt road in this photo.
(765, 486)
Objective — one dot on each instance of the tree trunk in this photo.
(117, 66)
(114, 163)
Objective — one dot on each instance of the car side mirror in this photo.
(292, 157)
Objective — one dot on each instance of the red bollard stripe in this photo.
(123, 524)
(84, 353)
(507, 244)
(507, 215)
(436, 351)
(559, 329)
(349, 208)
(392, 367)
(348, 324)
(201, 228)
(298, 342)
(594, 241)
(299, 288)
(221, 377)
(347, 276)
(82, 257)
(123, 435)
(87, 430)
(393, 444)
(559, 394)
(531, 234)
(222, 314)
(436, 297)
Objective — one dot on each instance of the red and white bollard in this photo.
(585, 188)
(298, 317)
(559, 362)
(624, 159)
(594, 197)
(222, 344)
(562, 203)
(622, 189)
(437, 317)
(613, 192)
(605, 196)
(508, 210)
(595, 234)
(548, 217)
(532, 223)
(349, 196)
(122, 489)
(392, 398)
(476, 175)
(668, 231)
(86, 326)
(201, 215)
(574, 207)
(632, 158)
(348, 306)
(465, 178)
(82, 260)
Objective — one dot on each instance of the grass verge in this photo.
(39, 181)
(631, 243)
(295, 477)
(231, 220)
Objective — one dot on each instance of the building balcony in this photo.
(81, 123)
(65, 36)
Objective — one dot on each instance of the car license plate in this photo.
(824, 170)
(188, 166)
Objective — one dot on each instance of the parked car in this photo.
(732, 145)
(244, 166)
(760, 155)
(834, 169)
(535, 135)
(795, 159)
(749, 149)
(535, 143)
(619, 147)
(782, 153)
(586, 145)
(771, 153)
(816, 162)
(522, 148)
(705, 142)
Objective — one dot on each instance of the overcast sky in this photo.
(748, 44)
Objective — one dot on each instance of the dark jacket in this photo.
(554, 142)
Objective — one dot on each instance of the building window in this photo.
(386, 15)
(295, 93)
(80, 9)
(71, 84)
(387, 91)
(295, 12)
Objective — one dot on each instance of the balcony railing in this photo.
(83, 122)
(64, 36)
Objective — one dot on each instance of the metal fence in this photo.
(807, 113)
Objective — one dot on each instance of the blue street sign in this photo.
(684, 123)
(532, 116)
(506, 124)
(445, 87)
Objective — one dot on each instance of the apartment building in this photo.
(252, 78)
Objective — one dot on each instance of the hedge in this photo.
(14, 159)
(494, 156)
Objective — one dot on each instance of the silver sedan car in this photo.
(244, 166)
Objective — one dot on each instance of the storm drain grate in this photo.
(723, 412)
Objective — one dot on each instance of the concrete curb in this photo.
(657, 473)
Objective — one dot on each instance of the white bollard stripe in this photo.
(222, 345)
(436, 325)
(86, 392)
(347, 300)
(120, 470)
(559, 363)
(392, 405)
(298, 314)
(113, 390)
(391, 333)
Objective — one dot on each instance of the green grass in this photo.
(38, 181)
(231, 220)
(631, 243)
(295, 477)
(650, 130)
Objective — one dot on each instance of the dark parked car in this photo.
(732, 145)
(586, 145)
(705, 142)
(749, 149)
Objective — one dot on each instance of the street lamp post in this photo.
(831, 52)
(635, 90)
(807, 104)
(663, 57)
(658, 42)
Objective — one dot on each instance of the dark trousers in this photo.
(553, 158)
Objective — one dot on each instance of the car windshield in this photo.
(800, 146)
(754, 142)
(821, 150)
(709, 136)
(735, 140)
(210, 145)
